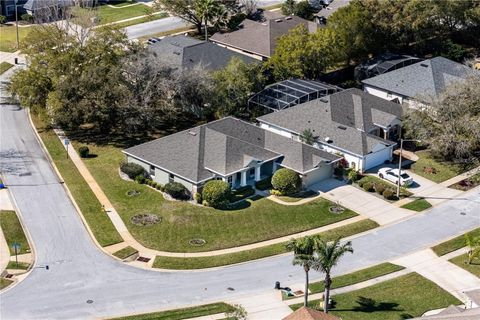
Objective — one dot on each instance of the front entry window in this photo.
(251, 172)
(230, 180)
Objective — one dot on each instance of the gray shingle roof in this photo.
(261, 37)
(186, 53)
(33, 5)
(225, 146)
(343, 118)
(422, 80)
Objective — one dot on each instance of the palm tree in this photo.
(303, 255)
(473, 244)
(327, 256)
(211, 11)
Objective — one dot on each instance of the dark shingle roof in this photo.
(186, 53)
(261, 37)
(33, 5)
(422, 80)
(343, 118)
(225, 146)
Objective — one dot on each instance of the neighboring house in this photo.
(231, 150)
(415, 85)
(7, 8)
(36, 7)
(327, 11)
(186, 53)
(259, 39)
(352, 123)
(305, 313)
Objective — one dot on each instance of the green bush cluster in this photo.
(242, 193)
(264, 184)
(286, 181)
(380, 188)
(368, 186)
(83, 151)
(216, 193)
(176, 190)
(198, 197)
(140, 179)
(27, 17)
(353, 175)
(389, 194)
(132, 170)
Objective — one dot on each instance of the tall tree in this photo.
(328, 254)
(473, 245)
(303, 255)
(211, 12)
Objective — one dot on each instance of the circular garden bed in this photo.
(197, 242)
(145, 219)
(336, 209)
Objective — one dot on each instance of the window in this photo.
(251, 172)
(230, 180)
(10, 10)
(171, 177)
(152, 171)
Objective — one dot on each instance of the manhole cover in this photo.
(463, 213)
(143, 259)
(89, 301)
(133, 193)
(145, 219)
(197, 242)
(336, 209)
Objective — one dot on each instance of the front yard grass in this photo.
(417, 205)
(98, 221)
(13, 231)
(185, 313)
(108, 14)
(125, 252)
(21, 265)
(5, 283)
(8, 37)
(156, 16)
(443, 170)
(461, 261)
(357, 276)
(387, 185)
(404, 297)
(4, 66)
(299, 196)
(454, 244)
(263, 252)
(252, 221)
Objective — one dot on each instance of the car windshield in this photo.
(405, 176)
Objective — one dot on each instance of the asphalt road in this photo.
(78, 271)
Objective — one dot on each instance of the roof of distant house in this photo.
(343, 118)
(422, 80)
(33, 5)
(332, 8)
(305, 313)
(260, 38)
(226, 146)
(185, 52)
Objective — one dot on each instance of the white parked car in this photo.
(392, 176)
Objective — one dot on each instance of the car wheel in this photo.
(380, 175)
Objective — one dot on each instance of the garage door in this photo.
(377, 158)
(318, 175)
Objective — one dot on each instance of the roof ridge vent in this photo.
(278, 20)
(288, 18)
(192, 133)
(324, 100)
(342, 127)
(424, 65)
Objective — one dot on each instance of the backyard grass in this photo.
(461, 261)
(13, 231)
(99, 223)
(252, 221)
(5, 283)
(8, 37)
(185, 313)
(266, 251)
(299, 196)
(125, 252)
(454, 244)
(417, 205)
(443, 170)
(4, 66)
(404, 297)
(357, 276)
(21, 265)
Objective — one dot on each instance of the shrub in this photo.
(132, 170)
(338, 171)
(140, 179)
(176, 190)
(84, 151)
(353, 176)
(275, 192)
(198, 197)
(242, 193)
(216, 193)
(26, 17)
(159, 187)
(368, 186)
(379, 188)
(154, 184)
(360, 183)
(3, 19)
(389, 194)
(286, 181)
(264, 184)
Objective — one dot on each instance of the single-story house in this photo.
(7, 8)
(229, 149)
(259, 38)
(352, 123)
(416, 84)
(45, 7)
(185, 52)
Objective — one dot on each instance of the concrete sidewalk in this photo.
(264, 306)
(446, 275)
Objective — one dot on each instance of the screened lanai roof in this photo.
(382, 64)
(287, 93)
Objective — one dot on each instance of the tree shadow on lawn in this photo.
(243, 204)
(369, 305)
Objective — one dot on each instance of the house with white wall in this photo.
(353, 124)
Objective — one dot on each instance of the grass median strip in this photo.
(461, 261)
(404, 297)
(100, 224)
(13, 231)
(184, 313)
(20, 266)
(4, 66)
(417, 205)
(454, 244)
(125, 252)
(5, 283)
(357, 276)
(262, 252)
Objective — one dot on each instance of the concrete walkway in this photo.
(448, 276)
(296, 203)
(264, 306)
(460, 177)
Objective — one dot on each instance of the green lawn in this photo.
(125, 252)
(185, 313)
(13, 231)
(181, 222)
(388, 185)
(443, 170)
(8, 37)
(417, 205)
(156, 16)
(5, 283)
(21, 265)
(404, 297)
(221, 260)
(99, 223)
(357, 276)
(461, 261)
(299, 196)
(108, 14)
(454, 244)
(4, 66)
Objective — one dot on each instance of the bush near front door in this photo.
(286, 181)
(216, 193)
